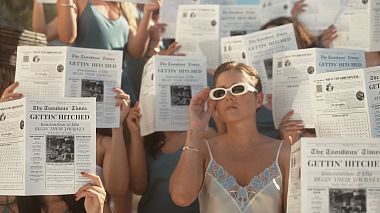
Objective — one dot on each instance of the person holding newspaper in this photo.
(93, 193)
(240, 170)
(111, 152)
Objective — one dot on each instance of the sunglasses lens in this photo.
(219, 93)
(238, 89)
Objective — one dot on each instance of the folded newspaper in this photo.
(72, 72)
(45, 143)
(331, 175)
(346, 104)
(168, 84)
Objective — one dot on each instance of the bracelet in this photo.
(72, 5)
(190, 148)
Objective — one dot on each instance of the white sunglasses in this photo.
(236, 89)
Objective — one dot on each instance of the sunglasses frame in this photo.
(247, 88)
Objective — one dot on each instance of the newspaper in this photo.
(257, 49)
(347, 103)
(291, 71)
(272, 9)
(47, 1)
(319, 15)
(44, 145)
(200, 27)
(334, 175)
(168, 83)
(358, 25)
(72, 72)
(169, 9)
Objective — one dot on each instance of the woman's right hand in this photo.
(171, 50)
(328, 36)
(9, 94)
(133, 119)
(298, 8)
(291, 130)
(198, 116)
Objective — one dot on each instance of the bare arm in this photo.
(187, 179)
(38, 19)
(39, 23)
(138, 38)
(137, 162)
(67, 19)
(115, 163)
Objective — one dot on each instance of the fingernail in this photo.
(82, 173)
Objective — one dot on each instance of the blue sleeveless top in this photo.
(157, 197)
(96, 31)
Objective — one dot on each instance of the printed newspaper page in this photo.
(272, 9)
(169, 9)
(291, 87)
(319, 15)
(339, 175)
(198, 31)
(239, 20)
(260, 47)
(294, 181)
(12, 147)
(72, 72)
(257, 49)
(199, 27)
(375, 26)
(372, 76)
(147, 98)
(48, 1)
(233, 49)
(341, 106)
(93, 73)
(358, 25)
(168, 15)
(61, 143)
(40, 71)
(170, 87)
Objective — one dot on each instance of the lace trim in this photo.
(243, 195)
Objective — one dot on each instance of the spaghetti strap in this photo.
(278, 151)
(99, 138)
(209, 149)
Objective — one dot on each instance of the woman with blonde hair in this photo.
(240, 170)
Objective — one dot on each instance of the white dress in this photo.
(221, 193)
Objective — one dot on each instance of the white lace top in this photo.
(222, 194)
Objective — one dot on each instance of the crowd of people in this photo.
(233, 167)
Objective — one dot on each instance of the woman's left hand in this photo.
(9, 93)
(93, 193)
(123, 101)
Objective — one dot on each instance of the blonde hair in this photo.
(250, 73)
(128, 10)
